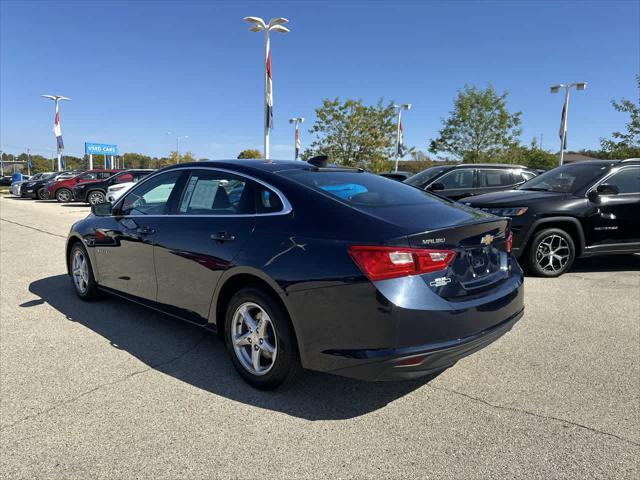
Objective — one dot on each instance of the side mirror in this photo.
(606, 189)
(436, 186)
(102, 209)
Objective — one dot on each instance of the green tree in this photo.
(353, 134)
(625, 144)
(478, 127)
(250, 153)
(137, 160)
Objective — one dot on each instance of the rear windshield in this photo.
(360, 189)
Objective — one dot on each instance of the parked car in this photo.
(577, 210)
(96, 191)
(16, 186)
(62, 188)
(464, 180)
(5, 181)
(292, 268)
(399, 176)
(38, 188)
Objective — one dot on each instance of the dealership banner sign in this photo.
(100, 149)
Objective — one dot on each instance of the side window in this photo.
(457, 179)
(267, 201)
(495, 178)
(151, 197)
(104, 175)
(125, 177)
(216, 193)
(627, 180)
(88, 176)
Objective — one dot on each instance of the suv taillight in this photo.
(381, 263)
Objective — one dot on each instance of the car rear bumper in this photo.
(401, 329)
(421, 360)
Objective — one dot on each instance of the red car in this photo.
(62, 190)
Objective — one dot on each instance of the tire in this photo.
(551, 253)
(277, 339)
(82, 279)
(96, 196)
(64, 195)
(42, 194)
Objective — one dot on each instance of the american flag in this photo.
(400, 140)
(563, 126)
(56, 129)
(269, 105)
(297, 141)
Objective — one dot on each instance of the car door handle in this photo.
(145, 231)
(222, 237)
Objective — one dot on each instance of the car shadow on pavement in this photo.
(198, 357)
(607, 263)
(84, 205)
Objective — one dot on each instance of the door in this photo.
(455, 184)
(617, 217)
(495, 180)
(124, 249)
(212, 220)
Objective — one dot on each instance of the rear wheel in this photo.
(42, 193)
(551, 253)
(82, 279)
(260, 339)
(96, 197)
(64, 195)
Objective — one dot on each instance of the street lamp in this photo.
(275, 25)
(399, 146)
(178, 138)
(565, 111)
(296, 135)
(56, 126)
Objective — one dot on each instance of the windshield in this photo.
(360, 189)
(424, 177)
(565, 179)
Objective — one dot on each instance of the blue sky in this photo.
(136, 70)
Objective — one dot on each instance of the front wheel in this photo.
(551, 253)
(96, 197)
(260, 339)
(82, 279)
(42, 194)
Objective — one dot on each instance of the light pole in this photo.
(276, 25)
(56, 126)
(178, 138)
(296, 135)
(565, 112)
(404, 106)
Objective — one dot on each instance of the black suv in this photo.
(464, 180)
(95, 192)
(577, 210)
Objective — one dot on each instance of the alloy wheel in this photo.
(254, 338)
(96, 197)
(80, 271)
(63, 195)
(42, 194)
(552, 254)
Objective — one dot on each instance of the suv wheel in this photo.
(42, 193)
(64, 195)
(260, 339)
(551, 253)
(96, 197)
(82, 279)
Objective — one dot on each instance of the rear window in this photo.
(360, 189)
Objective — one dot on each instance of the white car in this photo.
(114, 192)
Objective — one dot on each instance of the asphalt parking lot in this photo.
(114, 390)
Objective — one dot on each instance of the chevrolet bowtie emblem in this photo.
(487, 239)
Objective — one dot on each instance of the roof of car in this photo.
(488, 165)
(248, 165)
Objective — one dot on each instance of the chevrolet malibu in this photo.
(299, 266)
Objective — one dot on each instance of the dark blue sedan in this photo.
(299, 266)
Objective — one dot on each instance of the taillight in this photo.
(509, 241)
(380, 263)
